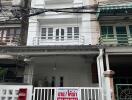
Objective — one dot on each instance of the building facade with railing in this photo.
(60, 55)
(60, 28)
(115, 20)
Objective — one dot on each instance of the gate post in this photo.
(110, 84)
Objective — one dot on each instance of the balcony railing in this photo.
(62, 40)
(116, 39)
(9, 40)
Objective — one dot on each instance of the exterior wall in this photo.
(75, 70)
(61, 20)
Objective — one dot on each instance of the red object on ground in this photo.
(22, 95)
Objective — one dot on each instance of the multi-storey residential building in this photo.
(60, 52)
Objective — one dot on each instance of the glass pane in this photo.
(107, 31)
(62, 34)
(12, 32)
(76, 29)
(103, 30)
(57, 34)
(18, 31)
(110, 31)
(43, 30)
(50, 30)
(130, 29)
(50, 33)
(43, 33)
(121, 33)
(69, 29)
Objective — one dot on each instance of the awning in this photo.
(34, 51)
(114, 10)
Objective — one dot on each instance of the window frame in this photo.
(107, 33)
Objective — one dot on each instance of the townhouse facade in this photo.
(77, 51)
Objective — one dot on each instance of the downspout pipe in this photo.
(100, 67)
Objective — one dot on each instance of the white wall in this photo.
(83, 20)
(75, 69)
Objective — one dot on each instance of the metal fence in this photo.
(123, 91)
(85, 93)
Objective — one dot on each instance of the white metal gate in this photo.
(10, 92)
(86, 93)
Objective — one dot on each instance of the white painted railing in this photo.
(10, 92)
(86, 93)
(44, 40)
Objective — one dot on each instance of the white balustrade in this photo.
(64, 40)
(49, 93)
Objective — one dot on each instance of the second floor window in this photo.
(9, 32)
(60, 33)
(107, 31)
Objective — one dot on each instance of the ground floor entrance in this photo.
(122, 66)
(65, 71)
(54, 73)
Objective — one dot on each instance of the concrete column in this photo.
(86, 29)
(28, 74)
(109, 84)
(33, 31)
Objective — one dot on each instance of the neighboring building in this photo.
(115, 19)
(9, 26)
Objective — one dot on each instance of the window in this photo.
(62, 34)
(50, 33)
(57, 34)
(130, 29)
(107, 31)
(76, 32)
(6, 33)
(43, 33)
(73, 32)
(69, 33)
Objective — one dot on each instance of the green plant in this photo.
(2, 72)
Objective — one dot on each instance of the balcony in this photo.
(9, 41)
(58, 40)
(116, 39)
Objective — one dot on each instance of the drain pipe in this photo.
(100, 67)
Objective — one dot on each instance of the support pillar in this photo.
(109, 84)
(28, 74)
